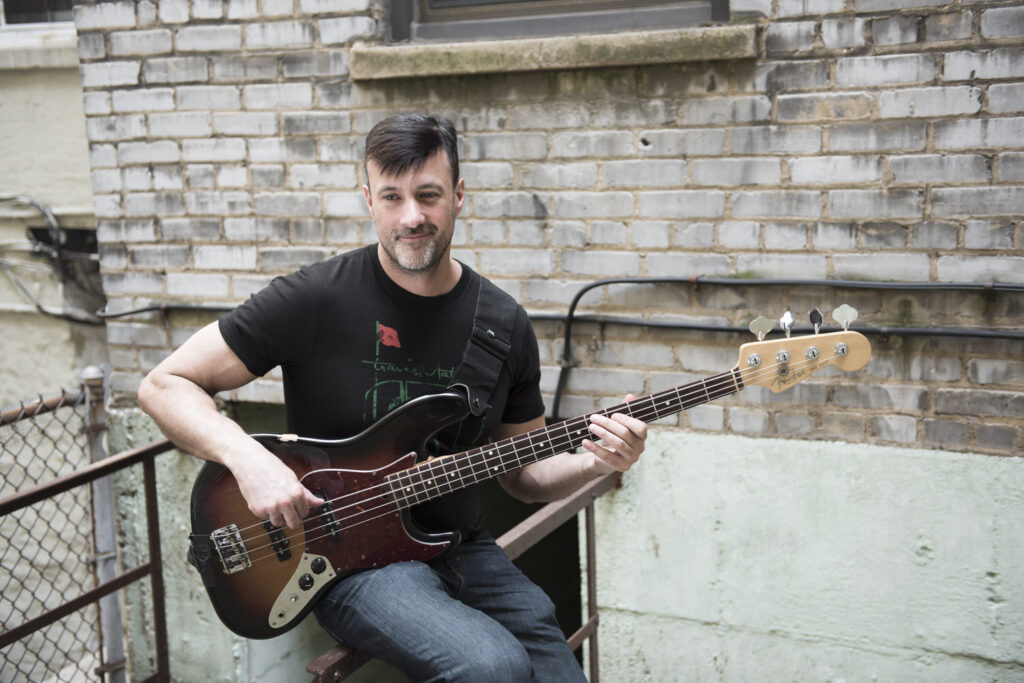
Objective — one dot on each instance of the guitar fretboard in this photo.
(443, 475)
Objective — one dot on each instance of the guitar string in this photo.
(646, 403)
(648, 408)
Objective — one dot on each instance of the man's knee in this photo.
(502, 662)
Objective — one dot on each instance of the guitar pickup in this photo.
(278, 543)
(326, 514)
(231, 549)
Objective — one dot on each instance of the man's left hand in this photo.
(622, 440)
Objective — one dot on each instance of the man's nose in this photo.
(412, 214)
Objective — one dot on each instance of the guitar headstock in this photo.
(782, 363)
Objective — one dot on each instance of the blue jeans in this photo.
(471, 616)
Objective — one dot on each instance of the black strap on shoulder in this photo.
(488, 346)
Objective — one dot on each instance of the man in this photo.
(355, 336)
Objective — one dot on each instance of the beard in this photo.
(421, 257)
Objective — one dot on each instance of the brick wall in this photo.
(866, 143)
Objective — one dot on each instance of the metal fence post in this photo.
(104, 535)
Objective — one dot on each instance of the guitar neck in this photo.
(443, 475)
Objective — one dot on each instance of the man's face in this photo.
(415, 212)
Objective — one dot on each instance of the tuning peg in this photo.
(786, 321)
(816, 319)
(844, 315)
(760, 326)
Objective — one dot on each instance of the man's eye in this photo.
(390, 197)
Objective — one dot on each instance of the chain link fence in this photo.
(46, 549)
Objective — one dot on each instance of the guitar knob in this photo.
(306, 582)
(318, 565)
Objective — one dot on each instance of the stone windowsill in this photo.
(38, 46)
(373, 62)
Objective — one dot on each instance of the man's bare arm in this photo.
(178, 394)
(621, 443)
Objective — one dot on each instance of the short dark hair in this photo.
(403, 142)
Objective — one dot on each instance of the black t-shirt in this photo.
(353, 346)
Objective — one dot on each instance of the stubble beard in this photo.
(423, 258)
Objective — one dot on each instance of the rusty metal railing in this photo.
(57, 533)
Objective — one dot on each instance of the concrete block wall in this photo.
(862, 143)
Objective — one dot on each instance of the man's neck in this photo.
(435, 282)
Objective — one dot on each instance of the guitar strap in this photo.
(488, 346)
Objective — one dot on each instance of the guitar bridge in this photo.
(231, 549)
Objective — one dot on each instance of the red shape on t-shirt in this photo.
(388, 336)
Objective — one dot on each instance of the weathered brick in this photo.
(208, 38)
(979, 133)
(278, 95)
(1002, 22)
(977, 201)
(218, 203)
(106, 180)
(895, 30)
(739, 234)
(208, 97)
(137, 178)
(279, 34)
(282, 149)
(104, 15)
(345, 204)
(183, 124)
(344, 30)
(267, 175)
(877, 136)
(276, 8)
(787, 140)
(154, 204)
(232, 175)
(258, 229)
(507, 146)
(844, 32)
(690, 235)
(102, 155)
(225, 257)
(1006, 99)
(908, 267)
(952, 401)
(135, 334)
(674, 143)
(651, 234)
(488, 232)
(199, 175)
(91, 45)
(510, 204)
(684, 264)
(825, 106)
(989, 64)
(152, 42)
(245, 123)
(799, 8)
(532, 261)
(939, 168)
(875, 203)
(290, 258)
(525, 233)
(600, 263)
(778, 76)
(551, 176)
(483, 175)
(972, 269)
(790, 36)
(213, 149)
(298, 123)
(180, 229)
(287, 203)
(332, 6)
(243, 9)
(936, 235)
(681, 204)
(336, 94)
(903, 398)
(322, 175)
(592, 144)
(329, 63)
(896, 428)
(730, 109)
(106, 205)
(236, 67)
(135, 230)
(1011, 166)
(781, 265)
(944, 433)
(993, 371)
(949, 26)
(175, 70)
(777, 204)
(106, 74)
(736, 171)
(929, 102)
(160, 256)
(785, 236)
(996, 437)
(606, 204)
(884, 236)
(207, 9)
(146, 99)
(173, 11)
(884, 70)
(197, 285)
(834, 170)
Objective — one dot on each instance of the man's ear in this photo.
(460, 195)
(368, 197)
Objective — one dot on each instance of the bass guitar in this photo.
(263, 579)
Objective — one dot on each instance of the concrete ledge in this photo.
(374, 62)
(52, 47)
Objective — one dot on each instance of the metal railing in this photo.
(57, 539)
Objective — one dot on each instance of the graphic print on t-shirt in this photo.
(397, 377)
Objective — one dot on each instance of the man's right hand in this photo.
(272, 490)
